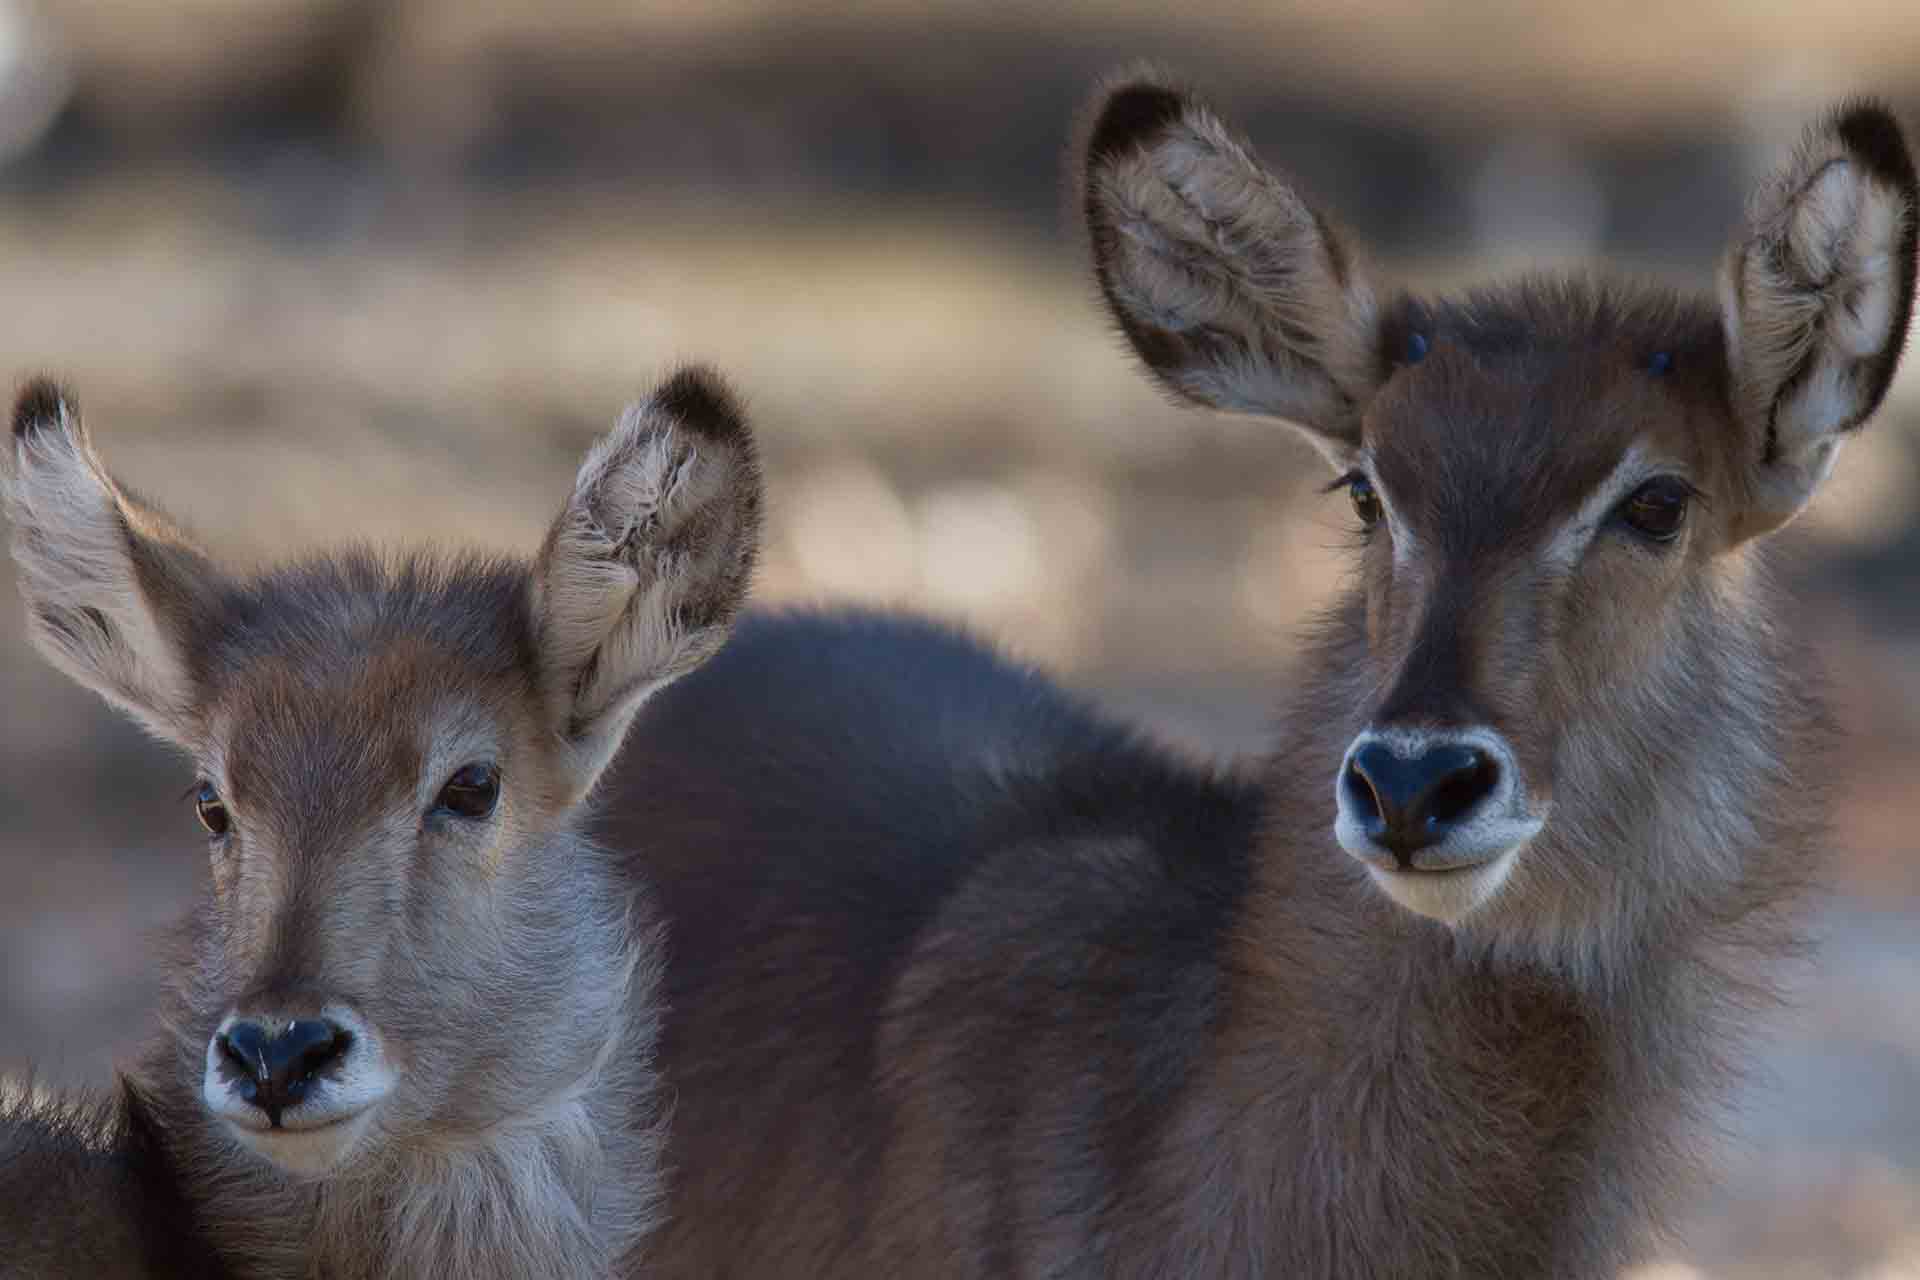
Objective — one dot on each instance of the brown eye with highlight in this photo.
(1366, 502)
(211, 809)
(470, 793)
(1657, 510)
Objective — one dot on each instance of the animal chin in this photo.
(317, 1135)
(308, 1150)
(1449, 896)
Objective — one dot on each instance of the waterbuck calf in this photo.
(967, 982)
(411, 1028)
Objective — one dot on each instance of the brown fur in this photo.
(499, 972)
(91, 1191)
(968, 982)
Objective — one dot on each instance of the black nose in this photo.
(1409, 803)
(274, 1062)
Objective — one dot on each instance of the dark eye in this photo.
(471, 792)
(1658, 508)
(212, 810)
(1366, 503)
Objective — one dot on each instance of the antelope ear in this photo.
(114, 590)
(647, 563)
(1234, 291)
(1816, 295)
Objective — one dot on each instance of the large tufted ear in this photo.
(114, 590)
(647, 563)
(1235, 292)
(1816, 295)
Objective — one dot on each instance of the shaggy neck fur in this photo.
(562, 1183)
(1577, 1033)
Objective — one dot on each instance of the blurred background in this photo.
(331, 269)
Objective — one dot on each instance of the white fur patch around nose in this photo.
(319, 1133)
(1461, 872)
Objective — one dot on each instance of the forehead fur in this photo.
(1530, 395)
(324, 614)
(1543, 315)
(333, 667)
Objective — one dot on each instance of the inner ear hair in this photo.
(649, 561)
(113, 588)
(1818, 292)
(1234, 291)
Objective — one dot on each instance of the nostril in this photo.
(305, 1048)
(244, 1048)
(1360, 794)
(1461, 791)
(317, 1055)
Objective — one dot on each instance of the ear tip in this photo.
(699, 399)
(1872, 135)
(43, 406)
(1130, 111)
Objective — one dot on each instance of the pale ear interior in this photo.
(111, 586)
(1232, 289)
(1816, 300)
(647, 563)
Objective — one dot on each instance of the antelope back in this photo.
(88, 1191)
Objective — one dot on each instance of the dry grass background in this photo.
(324, 270)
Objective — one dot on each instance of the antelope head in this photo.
(1557, 485)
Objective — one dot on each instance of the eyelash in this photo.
(1361, 531)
